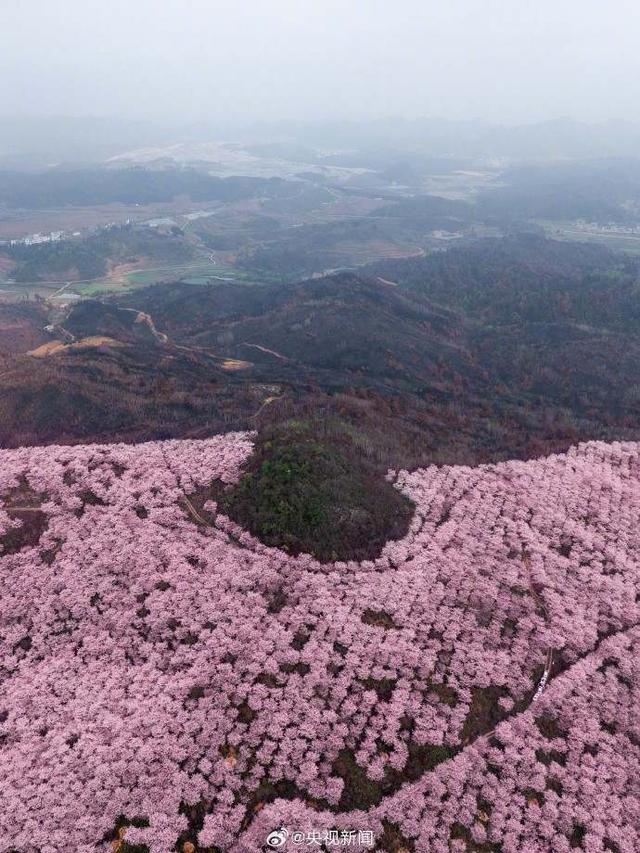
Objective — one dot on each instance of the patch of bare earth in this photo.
(23, 504)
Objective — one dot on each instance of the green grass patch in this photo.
(306, 492)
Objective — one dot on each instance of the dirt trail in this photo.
(266, 402)
(193, 512)
(60, 290)
(268, 351)
(225, 362)
(541, 606)
(147, 320)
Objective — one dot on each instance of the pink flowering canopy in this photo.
(476, 687)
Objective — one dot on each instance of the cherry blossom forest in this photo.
(170, 683)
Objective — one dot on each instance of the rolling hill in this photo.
(510, 348)
(171, 683)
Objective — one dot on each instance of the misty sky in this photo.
(501, 60)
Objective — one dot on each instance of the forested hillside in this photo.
(511, 348)
(91, 257)
(171, 683)
(93, 186)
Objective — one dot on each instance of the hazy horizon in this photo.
(282, 60)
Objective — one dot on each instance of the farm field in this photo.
(617, 241)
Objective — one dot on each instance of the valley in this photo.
(489, 339)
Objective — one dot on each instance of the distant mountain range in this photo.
(34, 141)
